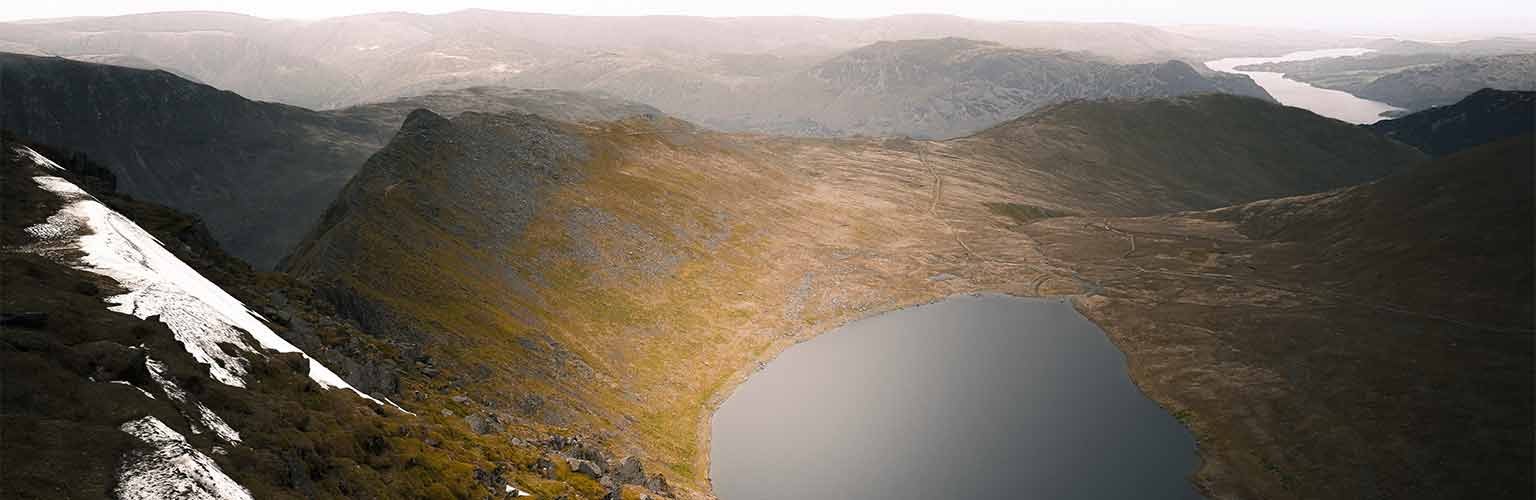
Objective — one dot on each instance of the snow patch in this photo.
(195, 412)
(171, 468)
(40, 160)
(198, 312)
(130, 384)
(504, 68)
(445, 55)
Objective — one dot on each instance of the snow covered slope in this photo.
(171, 468)
(198, 312)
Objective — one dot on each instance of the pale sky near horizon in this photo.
(1369, 16)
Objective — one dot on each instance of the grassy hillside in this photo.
(62, 410)
(1460, 223)
(1487, 115)
(618, 279)
(1373, 341)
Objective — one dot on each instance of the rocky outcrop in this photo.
(594, 461)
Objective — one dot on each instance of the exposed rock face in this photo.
(484, 423)
(1483, 117)
(630, 472)
(587, 467)
(107, 360)
(477, 178)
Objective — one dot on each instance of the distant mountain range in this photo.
(357, 59)
(1445, 83)
(922, 88)
(257, 173)
(1417, 76)
(251, 169)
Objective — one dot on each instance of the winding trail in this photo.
(1045, 270)
(933, 205)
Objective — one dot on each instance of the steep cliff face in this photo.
(250, 169)
(451, 191)
(618, 278)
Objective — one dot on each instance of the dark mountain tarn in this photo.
(976, 396)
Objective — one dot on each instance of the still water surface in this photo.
(1330, 103)
(977, 397)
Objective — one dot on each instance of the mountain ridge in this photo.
(258, 173)
(656, 268)
(1484, 116)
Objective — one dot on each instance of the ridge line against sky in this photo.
(1372, 16)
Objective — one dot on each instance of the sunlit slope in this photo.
(258, 173)
(620, 278)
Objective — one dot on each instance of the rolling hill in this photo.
(1486, 116)
(1438, 85)
(941, 88)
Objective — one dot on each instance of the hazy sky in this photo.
(1377, 16)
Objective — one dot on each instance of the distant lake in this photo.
(976, 397)
(1330, 103)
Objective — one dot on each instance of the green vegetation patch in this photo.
(1022, 213)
